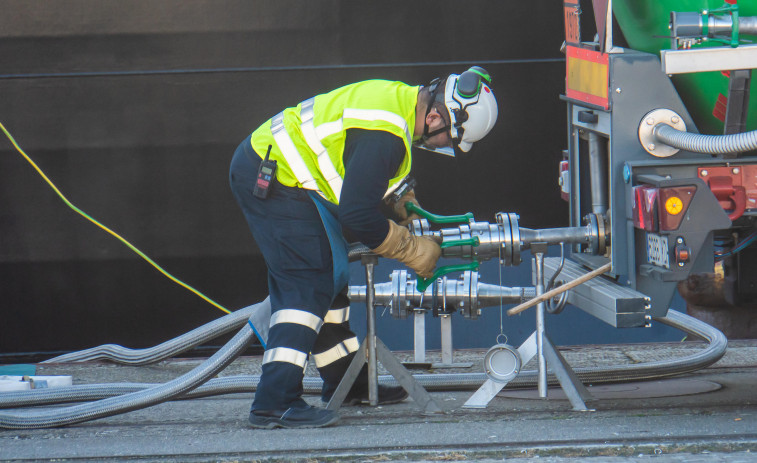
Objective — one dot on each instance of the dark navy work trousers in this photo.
(291, 236)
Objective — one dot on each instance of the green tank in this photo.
(645, 26)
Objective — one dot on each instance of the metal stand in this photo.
(419, 336)
(371, 350)
(448, 351)
(539, 345)
(419, 342)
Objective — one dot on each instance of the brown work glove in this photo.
(400, 210)
(420, 253)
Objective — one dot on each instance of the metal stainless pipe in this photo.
(489, 236)
(493, 238)
(371, 335)
(466, 294)
(573, 235)
(598, 173)
(540, 358)
(722, 25)
(690, 26)
(719, 25)
(748, 25)
(490, 295)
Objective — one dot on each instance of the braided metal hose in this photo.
(136, 357)
(134, 400)
(717, 344)
(707, 144)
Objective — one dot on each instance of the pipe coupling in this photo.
(446, 295)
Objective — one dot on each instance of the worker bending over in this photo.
(322, 167)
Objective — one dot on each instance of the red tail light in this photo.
(645, 208)
(660, 209)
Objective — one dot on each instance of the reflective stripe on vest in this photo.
(299, 317)
(289, 151)
(313, 136)
(337, 352)
(285, 354)
(313, 140)
(379, 115)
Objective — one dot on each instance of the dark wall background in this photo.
(134, 108)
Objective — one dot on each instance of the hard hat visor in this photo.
(447, 151)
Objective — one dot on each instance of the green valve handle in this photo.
(423, 283)
(464, 242)
(468, 216)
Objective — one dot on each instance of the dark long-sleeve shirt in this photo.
(371, 159)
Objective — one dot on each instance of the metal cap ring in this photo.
(502, 363)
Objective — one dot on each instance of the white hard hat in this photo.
(471, 106)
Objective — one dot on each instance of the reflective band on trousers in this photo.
(341, 350)
(337, 316)
(299, 317)
(314, 142)
(285, 354)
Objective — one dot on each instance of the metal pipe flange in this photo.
(511, 238)
(649, 140)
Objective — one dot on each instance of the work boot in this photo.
(293, 417)
(359, 395)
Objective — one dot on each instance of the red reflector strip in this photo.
(645, 207)
(720, 107)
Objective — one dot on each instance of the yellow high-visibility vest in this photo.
(308, 140)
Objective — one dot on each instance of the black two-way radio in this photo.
(266, 174)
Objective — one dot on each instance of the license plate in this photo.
(657, 250)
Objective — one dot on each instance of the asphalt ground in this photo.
(708, 415)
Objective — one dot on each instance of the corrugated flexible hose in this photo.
(218, 327)
(707, 144)
(120, 398)
(133, 400)
(168, 349)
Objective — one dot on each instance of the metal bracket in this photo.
(448, 352)
(738, 104)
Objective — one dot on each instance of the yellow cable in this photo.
(116, 235)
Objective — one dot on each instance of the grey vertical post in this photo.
(419, 338)
(539, 249)
(369, 262)
(446, 326)
(598, 173)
